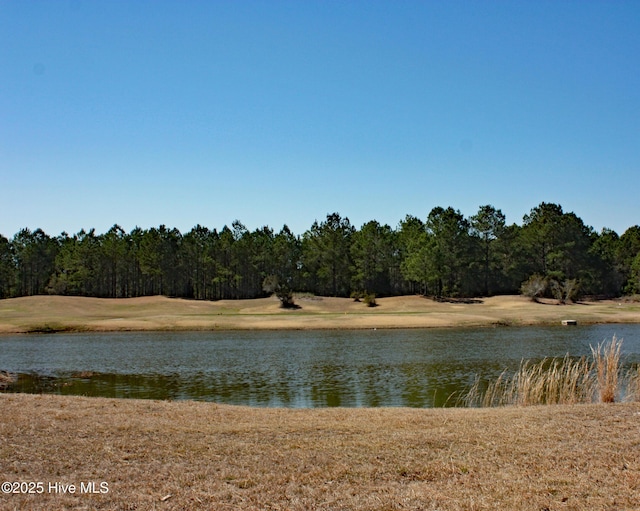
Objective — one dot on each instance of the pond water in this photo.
(417, 368)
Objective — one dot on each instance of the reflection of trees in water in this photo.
(310, 369)
(320, 386)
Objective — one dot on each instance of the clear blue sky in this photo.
(155, 112)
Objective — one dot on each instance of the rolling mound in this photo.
(72, 313)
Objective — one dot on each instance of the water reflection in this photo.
(417, 368)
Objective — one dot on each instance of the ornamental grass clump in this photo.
(562, 381)
(551, 381)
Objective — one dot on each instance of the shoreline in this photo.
(50, 314)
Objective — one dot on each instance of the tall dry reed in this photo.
(560, 381)
(606, 358)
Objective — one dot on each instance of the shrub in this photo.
(370, 299)
(357, 295)
(272, 284)
(566, 291)
(534, 287)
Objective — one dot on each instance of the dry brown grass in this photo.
(60, 313)
(197, 456)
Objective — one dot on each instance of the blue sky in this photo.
(180, 113)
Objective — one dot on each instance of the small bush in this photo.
(534, 287)
(286, 299)
(272, 284)
(566, 291)
(370, 299)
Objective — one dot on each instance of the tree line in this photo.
(445, 255)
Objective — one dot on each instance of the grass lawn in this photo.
(191, 455)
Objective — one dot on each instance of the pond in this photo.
(416, 368)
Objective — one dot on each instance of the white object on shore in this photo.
(572, 322)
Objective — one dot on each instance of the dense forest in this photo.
(446, 255)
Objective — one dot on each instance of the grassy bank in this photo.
(59, 313)
(190, 455)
